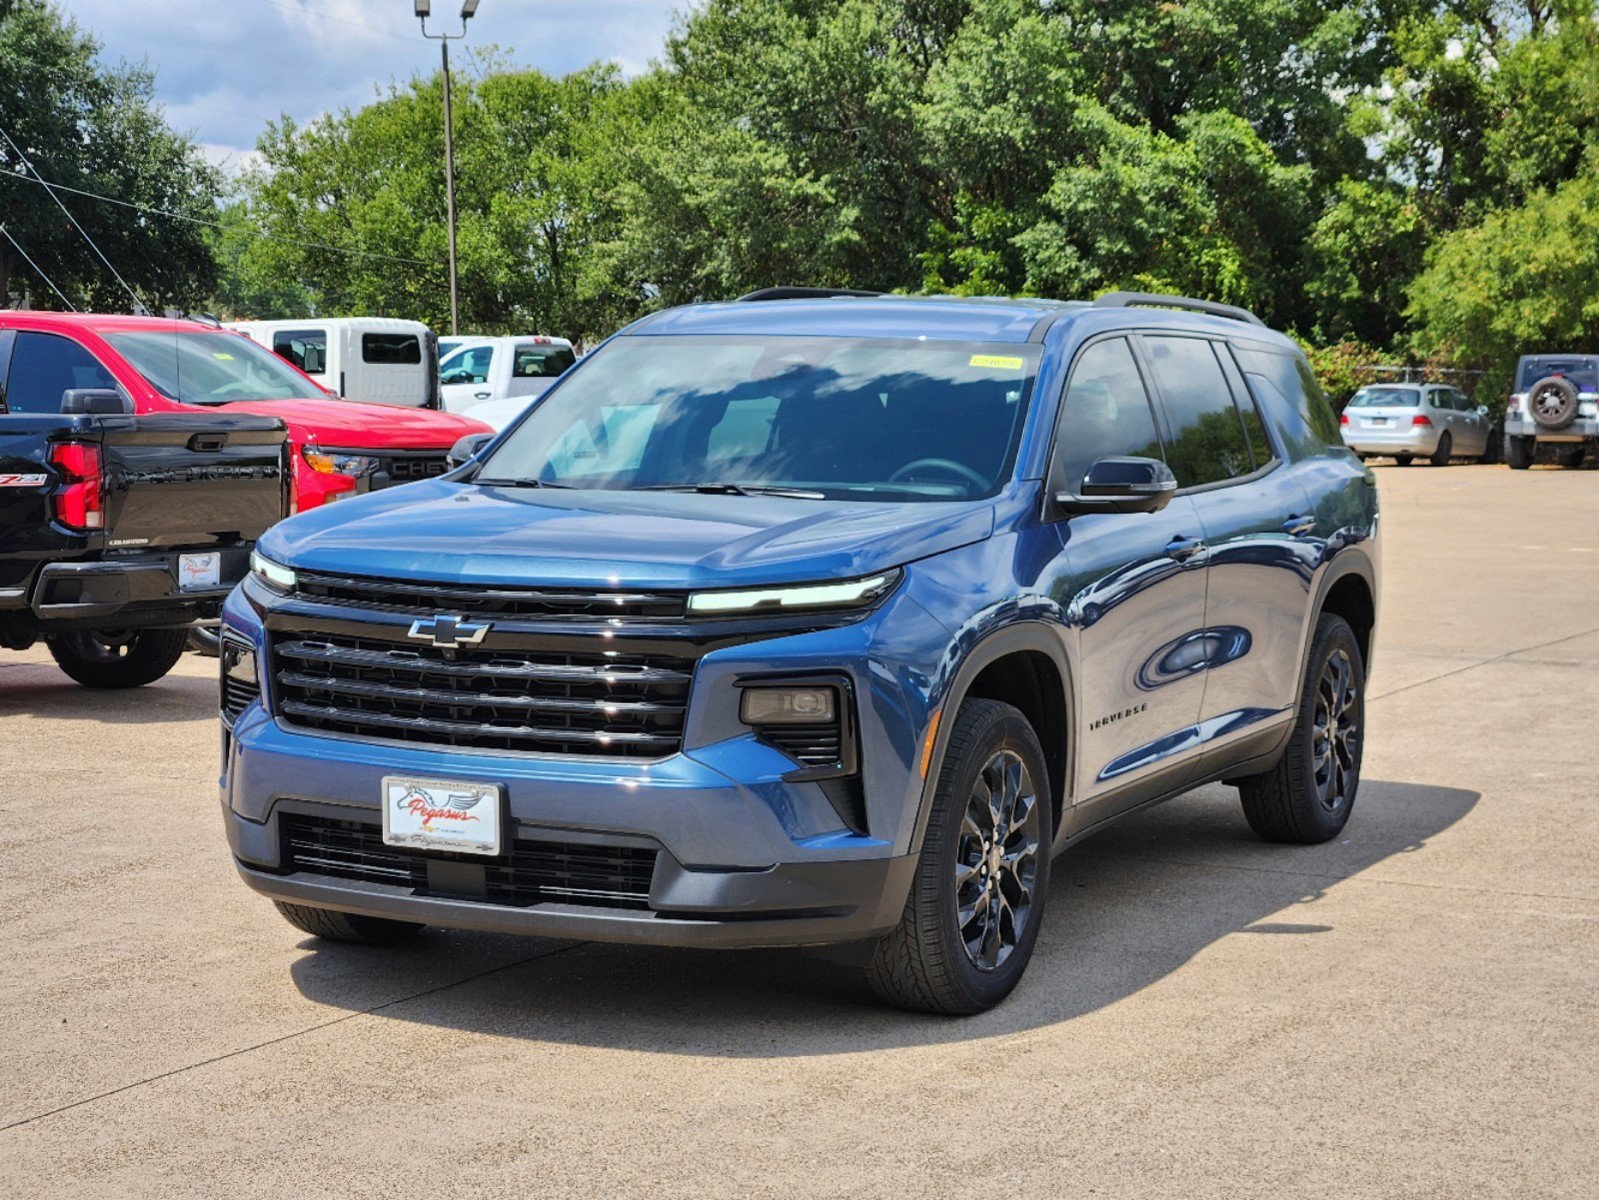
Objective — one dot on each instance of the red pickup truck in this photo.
(338, 448)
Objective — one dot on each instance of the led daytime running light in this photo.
(848, 594)
(276, 574)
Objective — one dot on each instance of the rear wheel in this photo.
(971, 919)
(1446, 447)
(335, 926)
(1571, 457)
(1519, 452)
(118, 658)
(1310, 793)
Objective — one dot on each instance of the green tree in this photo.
(95, 128)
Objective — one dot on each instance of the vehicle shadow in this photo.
(41, 689)
(1126, 909)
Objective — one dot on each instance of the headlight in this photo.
(278, 575)
(334, 462)
(853, 593)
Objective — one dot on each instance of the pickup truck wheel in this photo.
(335, 926)
(1308, 796)
(1519, 452)
(1444, 452)
(118, 658)
(1571, 457)
(972, 917)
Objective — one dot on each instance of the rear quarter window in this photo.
(391, 349)
(1295, 404)
(43, 366)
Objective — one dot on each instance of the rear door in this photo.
(1255, 517)
(1133, 590)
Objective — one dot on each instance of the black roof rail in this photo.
(1187, 303)
(803, 293)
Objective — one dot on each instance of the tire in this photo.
(1402, 460)
(1571, 457)
(118, 658)
(1552, 403)
(1308, 796)
(927, 964)
(1519, 452)
(1445, 451)
(1493, 448)
(334, 926)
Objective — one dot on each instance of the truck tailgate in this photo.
(178, 480)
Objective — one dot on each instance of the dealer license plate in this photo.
(199, 572)
(442, 814)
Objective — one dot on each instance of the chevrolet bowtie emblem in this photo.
(448, 632)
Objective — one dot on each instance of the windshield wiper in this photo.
(527, 483)
(736, 489)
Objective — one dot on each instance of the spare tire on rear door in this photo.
(1552, 402)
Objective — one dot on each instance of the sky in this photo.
(225, 67)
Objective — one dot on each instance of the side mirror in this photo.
(1482, 410)
(1121, 485)
(466, 448)
(95, 402)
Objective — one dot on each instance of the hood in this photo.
(348, 425)
(452, 532)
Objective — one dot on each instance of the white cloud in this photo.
(224, 69)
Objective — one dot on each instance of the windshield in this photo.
(827, 418)
(212, 368)
(1584, 372)
(1385, 398)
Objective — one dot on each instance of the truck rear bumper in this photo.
(1580, 430)
(145, 590)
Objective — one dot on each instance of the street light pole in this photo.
(424, 9)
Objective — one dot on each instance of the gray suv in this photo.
(1556, 400)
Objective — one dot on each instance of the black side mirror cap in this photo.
(466, 448)
(1120, 485)
(95, 402)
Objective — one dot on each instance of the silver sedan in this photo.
(1407, 421)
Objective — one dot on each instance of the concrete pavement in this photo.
(1412, 1010)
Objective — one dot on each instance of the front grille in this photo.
(589, 702)
(480, 602)
(407, 468)
(534, 872)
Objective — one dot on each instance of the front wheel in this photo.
(1444, 452)
(1308, 796)
(971, 919)
(118, 658)
(1402, 460)
(335, 926)
(1571, 457)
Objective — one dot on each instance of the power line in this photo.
(138, 305)
(255, 229)
(37, 269)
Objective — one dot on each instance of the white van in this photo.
(502, 368)
(376, 360)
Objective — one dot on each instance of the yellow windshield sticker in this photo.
(219, 354)
(1002, 361)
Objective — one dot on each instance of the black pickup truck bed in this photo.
(120, 530)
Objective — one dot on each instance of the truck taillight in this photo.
(1421, 419)
(80, 500)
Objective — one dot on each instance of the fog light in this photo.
(788, 705)
(238, 663)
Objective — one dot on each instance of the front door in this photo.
(1133, 590)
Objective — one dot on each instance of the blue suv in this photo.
(813, 619)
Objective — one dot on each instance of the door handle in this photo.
(1184, 548)
(481, 395)
(1299, 526)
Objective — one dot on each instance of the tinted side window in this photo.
(1105, 413)
(1307, 422)
(305, 348)
(400, 349)
(43, 366)
(1207, 442)
(541, 362)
